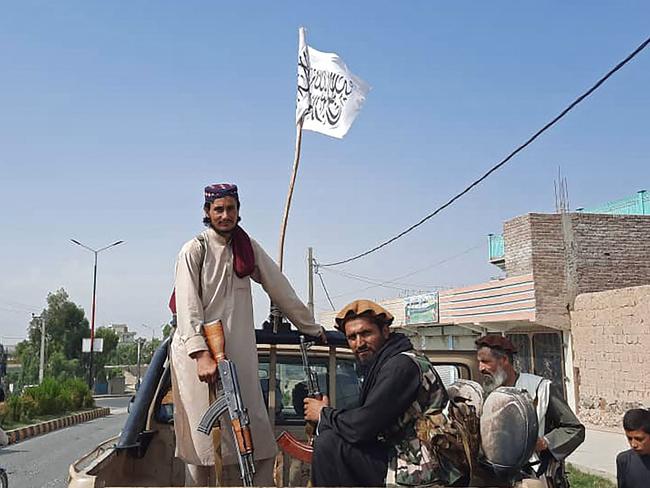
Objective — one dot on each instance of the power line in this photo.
(425, 268)
(15, 310)
(320, 277)
(384, 284)
(17, 306)
(405, 286)
(642, 46)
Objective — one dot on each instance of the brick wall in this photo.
(613, 251)
(576, 253)
(611, 340)
(518, 246)
(549, 270)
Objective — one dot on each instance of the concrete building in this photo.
(123, 333)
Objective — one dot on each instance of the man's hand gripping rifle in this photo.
(287, 442)
(229, 399)
(313, 389)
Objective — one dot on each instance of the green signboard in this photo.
(422, 309)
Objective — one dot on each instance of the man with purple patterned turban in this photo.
(213, 282)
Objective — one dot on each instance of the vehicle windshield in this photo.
(291, 385)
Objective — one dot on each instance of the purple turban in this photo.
(220, 190)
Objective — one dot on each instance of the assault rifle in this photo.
(287, 442)
(313, 389)
(229, 399)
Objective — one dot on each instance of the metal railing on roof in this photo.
(638, 204)
(496, 248)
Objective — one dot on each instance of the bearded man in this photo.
(560, 431)
(213, 282)
(356, 446)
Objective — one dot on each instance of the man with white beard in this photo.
(560, 432)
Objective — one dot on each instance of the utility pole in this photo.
(137, 385)
(41, 364)
(310, 274)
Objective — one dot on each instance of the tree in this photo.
(28, 357)
(102, 358)
(166, 330)
(65, 326)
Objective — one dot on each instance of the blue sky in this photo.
(114, 115)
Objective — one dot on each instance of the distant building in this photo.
(123, 334)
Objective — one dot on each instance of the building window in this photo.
(522, 359)
(540, 353)
(548, 358)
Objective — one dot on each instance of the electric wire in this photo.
(602, 80)
(322, 282)
(383, 284)
(419, 270)
(375, 283)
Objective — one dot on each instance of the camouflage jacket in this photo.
(413, 462)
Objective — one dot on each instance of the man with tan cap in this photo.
(377, 442)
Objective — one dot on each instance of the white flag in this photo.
(329, 96)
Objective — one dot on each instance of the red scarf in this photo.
(243, 259)
(242, 251)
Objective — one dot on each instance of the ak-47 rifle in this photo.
(313, 389)
(287, 442)
(229, 399)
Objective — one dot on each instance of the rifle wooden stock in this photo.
(294, 448)
(215, 339)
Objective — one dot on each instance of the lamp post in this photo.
(41, 363)
(92, 316)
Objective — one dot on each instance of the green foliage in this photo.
(102, 358)
(77, 393)
(578, 479)
(127, 354)
(61, 368)
(52, 397)
(166, 330)
(27, 354)
(65, 325)
(20, 408)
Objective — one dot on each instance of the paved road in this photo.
(43, 461)
(598, 453)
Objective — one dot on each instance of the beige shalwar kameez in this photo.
(207, 289)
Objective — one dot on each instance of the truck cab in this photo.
(143, 454)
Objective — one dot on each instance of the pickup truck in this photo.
(143, 454)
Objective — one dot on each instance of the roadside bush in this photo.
(77, 393)
(4, 412)
(20, 408)
(49, 397)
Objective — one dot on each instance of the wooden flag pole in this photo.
(277, 318)
(292, 183)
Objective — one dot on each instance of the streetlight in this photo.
(92, 319)
(41, 363)
(153, 331)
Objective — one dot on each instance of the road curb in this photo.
(22, 433)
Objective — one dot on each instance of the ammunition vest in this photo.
(413, 462)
